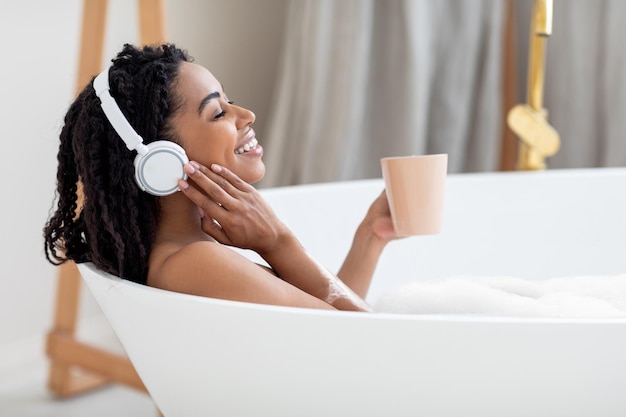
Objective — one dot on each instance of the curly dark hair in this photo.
(116, 225)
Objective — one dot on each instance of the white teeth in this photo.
(247, 147)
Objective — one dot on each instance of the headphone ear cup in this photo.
(157, 172)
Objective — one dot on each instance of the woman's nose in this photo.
(245, 117)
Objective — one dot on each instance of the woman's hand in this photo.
(379, 219)
(232, 211)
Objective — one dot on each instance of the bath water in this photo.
(577, 296)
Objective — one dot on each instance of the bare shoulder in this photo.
(211, 269)
(190, 267)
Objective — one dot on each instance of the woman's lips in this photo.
(247, 147)
(255, 152)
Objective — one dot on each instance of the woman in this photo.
(179, 242)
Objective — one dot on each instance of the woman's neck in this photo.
(179, 220)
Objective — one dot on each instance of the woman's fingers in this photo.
(207, 196)
(215, 230)
(243, 218)
(223, 182)
(207, 205)
(229, 179)
(217, 192)
(214, 186)
(210, 211)
(380, 214)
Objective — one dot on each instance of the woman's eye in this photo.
(222, 113)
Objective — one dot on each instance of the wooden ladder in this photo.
(77, 367)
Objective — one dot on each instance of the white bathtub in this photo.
(206, 357)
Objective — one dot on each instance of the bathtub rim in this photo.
(459, 176)
(120, 283)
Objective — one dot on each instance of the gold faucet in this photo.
(538, 140)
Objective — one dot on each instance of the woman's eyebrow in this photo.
(206, 100)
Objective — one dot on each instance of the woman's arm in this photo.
(232, 277)
(293, 264)
(371, 237)
(236, 215)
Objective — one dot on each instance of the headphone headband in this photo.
(115, 116)
(159, 164)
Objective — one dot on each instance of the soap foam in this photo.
(580, 296)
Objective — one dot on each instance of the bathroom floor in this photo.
(23, 393)
(24, 374)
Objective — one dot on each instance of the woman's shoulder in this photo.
(200, 267)
(170, 260)
(214, 270)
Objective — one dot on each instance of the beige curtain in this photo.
(364, 79)
(586, 82)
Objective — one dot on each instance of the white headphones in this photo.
(158, 165)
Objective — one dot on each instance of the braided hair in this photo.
(116, 223)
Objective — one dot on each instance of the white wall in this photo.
(239, 40)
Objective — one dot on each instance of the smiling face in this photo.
(214, 130)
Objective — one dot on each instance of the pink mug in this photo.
(415, 188)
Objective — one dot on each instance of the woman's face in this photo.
(213, 130)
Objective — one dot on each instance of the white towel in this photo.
(579, 296)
